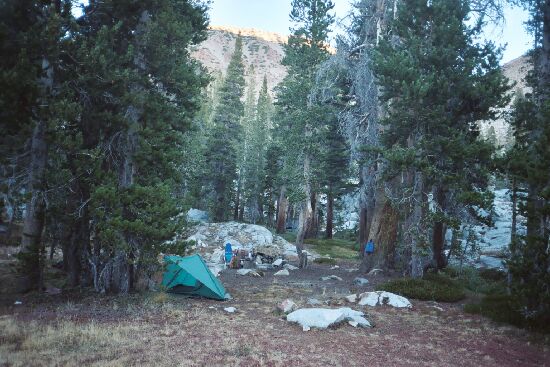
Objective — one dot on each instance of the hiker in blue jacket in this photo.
(369, 247)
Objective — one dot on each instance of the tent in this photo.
(190, 275)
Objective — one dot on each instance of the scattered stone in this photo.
(352, 270)
(314, 302)
(383, 298)
(230, 309)
(18, 303)
(335, 267)
(437, 308)
(322, 318)
(351, 298)
(360, 281)
(375, 271)
(282, 272)
(353, 323)
(331, 277)
(278, 262)
(243, 271)
(290, 267)
(227, 296)
(287, 306)
(249, 272)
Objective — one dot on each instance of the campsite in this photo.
(165, 329)
(274, 183)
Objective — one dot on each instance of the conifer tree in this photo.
(529, 170)
(224, 137)
(299, 117)
(438, 83)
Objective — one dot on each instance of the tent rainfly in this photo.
(190, 275)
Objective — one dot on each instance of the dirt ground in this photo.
(169, 330)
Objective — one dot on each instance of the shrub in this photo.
(325, 260)
(433, 287)
(508, 309)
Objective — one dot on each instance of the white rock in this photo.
(331, 277)
(314, 302)
(227, 296)
(352, 270)
(287, 306)
(335, 267)
(230, 309)
(278, 262)
(360, 281)
(195, 215)
(243, 271)
(351, 298)
(383, 298)
(282, 272)
(353, 323)
(211, 238)
(290, 267)
(324, 317)
(18, 303)
(375, 271)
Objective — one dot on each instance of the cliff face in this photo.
(516, 71)
(262, 50)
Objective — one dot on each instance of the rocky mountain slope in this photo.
(262, 50)
(516, 71)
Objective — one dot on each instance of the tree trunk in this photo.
(305, 215)
(236, 209)
(313, 229)
(418, 258)
(383, 232)
(330, 213)
(33, 225)
(366, 205)
(282, 206)
(438, 238)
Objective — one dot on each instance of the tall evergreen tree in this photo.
(529, 169)
(299, 117)
(225, 135)
(438, 83)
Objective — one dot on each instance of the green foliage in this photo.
(437, 81)
(432, 287)
(508, 309)
(301, 121)
(224, 137)
(527, 165)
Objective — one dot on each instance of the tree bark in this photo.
(383, 232)
(330, 214)
(305, 215)
(33, 225)
(438, 238)
(418, 258)
(313, 229)
(282, 206)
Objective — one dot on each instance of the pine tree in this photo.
(256, 142)
(224, 137)
(528, 168)
(33, 41)
(299, 117)
(437, 83)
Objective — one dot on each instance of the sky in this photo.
(272, 15)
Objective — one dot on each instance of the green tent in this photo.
(190, 275)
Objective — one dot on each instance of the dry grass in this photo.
(66, 343)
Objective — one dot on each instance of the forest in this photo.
(111, 132)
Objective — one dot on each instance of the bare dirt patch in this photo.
(167, 330)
